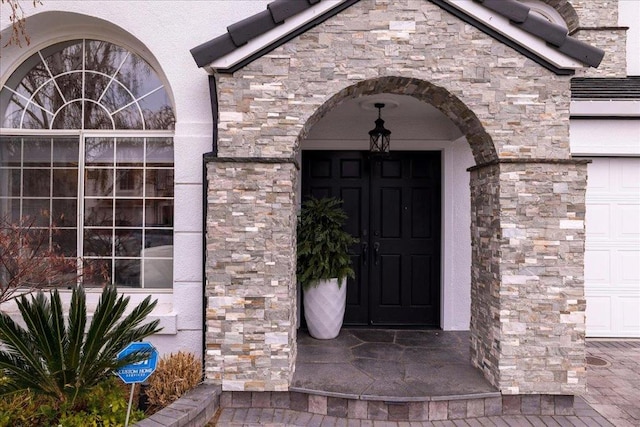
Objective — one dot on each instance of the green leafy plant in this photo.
(323, 245)
(55, 358)
(104, 405)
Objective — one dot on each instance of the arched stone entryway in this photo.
(450, 105)
(527, 210)
(434, 292)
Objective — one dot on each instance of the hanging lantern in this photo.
(379, 137)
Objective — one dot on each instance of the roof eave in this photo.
(217, 55)
(544, 42)
(508, 21)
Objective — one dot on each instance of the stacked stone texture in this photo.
(250, 338)
(527, 195)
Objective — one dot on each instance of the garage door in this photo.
(612, 258)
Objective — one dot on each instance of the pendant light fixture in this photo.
(379, 137)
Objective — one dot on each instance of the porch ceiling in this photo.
(407, 118)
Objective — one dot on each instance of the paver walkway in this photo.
(613, 400)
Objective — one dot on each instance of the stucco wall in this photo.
(156, 31)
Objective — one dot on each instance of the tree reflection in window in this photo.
(85, 84)
(108, 195)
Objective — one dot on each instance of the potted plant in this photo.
(323, 265)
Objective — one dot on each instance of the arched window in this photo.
(86, 150)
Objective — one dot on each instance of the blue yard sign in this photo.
(140, 371)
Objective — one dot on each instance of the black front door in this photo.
(393, 206)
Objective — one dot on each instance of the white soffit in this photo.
(502, 25)
(290, 25)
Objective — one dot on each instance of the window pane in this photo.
(65, 182)
(158, 273)
(104, 56)
(160, 152)
(64, 57)
(99, 151)
(154, 238)
(159, 183)
(98, 182)
(159, 213)
(13, 110)
(130, 152)
(116, 96)
(98, 241)
(37, 152)
(37, 239)
(69, 117)
(10, 151)
(65, 241)
(65, 212)
(130, 73)
(129, 118)
(37, 210)
(65, 152)
(129, 182)
(97, 272)
(71, 86)
(37, 182)
(157, 111)
(128, 242)
(96, 117)
(98, 212)
(9, 182)
(129, 212)
(34, 78)
(127, 272)
(108, 75)
(96, 85)
(36, 118)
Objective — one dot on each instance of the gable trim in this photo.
(480, 25)
(508, 21)
(515, 22)
(225, 55)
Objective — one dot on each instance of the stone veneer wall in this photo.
(598, 25)
(485, 270)
(528, 304)
(250, 317)
(529, 237)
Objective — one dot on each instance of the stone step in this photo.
(381, 408)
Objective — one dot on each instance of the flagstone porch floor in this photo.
(390, 365)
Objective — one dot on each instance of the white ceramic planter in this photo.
(324, 308)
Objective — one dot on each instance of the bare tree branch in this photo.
(18, 23)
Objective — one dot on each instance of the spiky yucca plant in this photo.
(56, 358)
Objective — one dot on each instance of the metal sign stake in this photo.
(136, 372)
(126, 421)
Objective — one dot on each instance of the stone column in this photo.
(250, 273)
(528, 275)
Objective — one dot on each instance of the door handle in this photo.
(376, 252)
(365, 253)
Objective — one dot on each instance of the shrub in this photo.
(174, 376)
(105, 405)
(66, 360)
